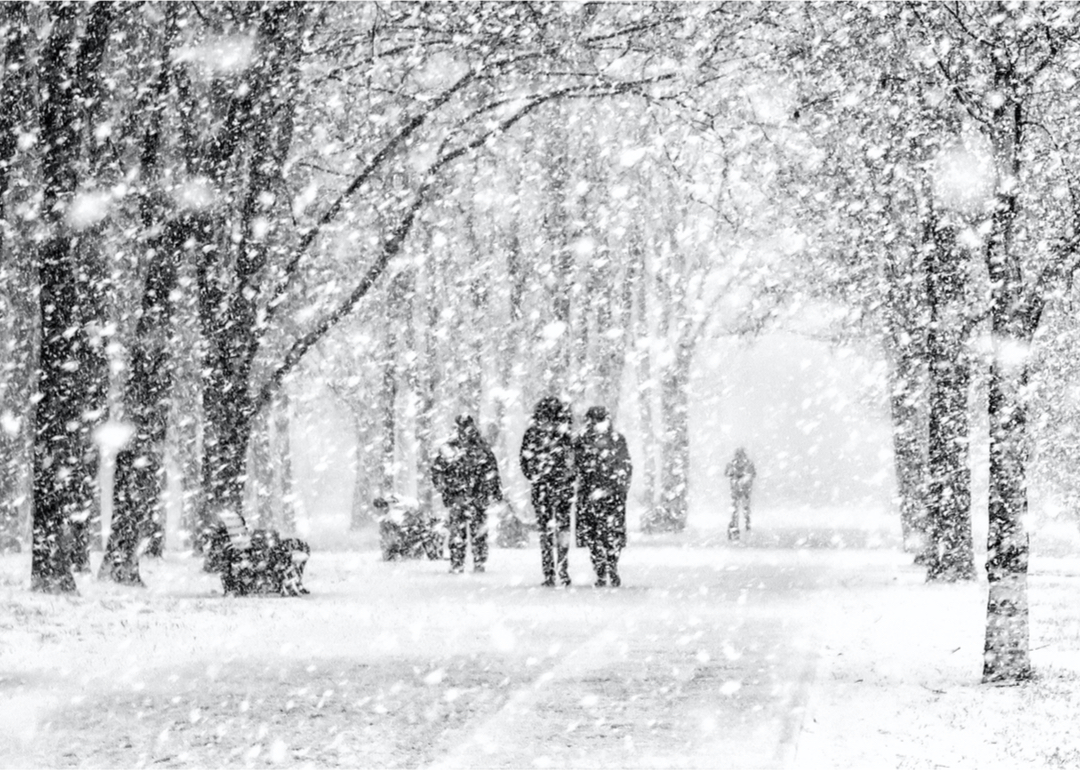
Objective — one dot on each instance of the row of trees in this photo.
(957, 155)
(229, 164)
(463, 207)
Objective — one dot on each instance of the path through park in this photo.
(767, 655)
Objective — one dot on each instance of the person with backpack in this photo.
(466, 475)
(603, 475)
(547, 461)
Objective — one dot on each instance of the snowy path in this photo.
(708, 656)
(706, 662)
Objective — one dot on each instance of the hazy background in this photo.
(813, 418)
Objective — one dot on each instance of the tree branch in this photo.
(393, 245)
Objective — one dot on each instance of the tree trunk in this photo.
(472, 333)
(258, 131)
(645, 393)
(951, 553)
(17, 309)
(1006, 653)
(57, 461)
(140, 469)
(283, 499)
(72, 376)
(906, 352)
(363, 487)
(1006, 656)
(387, 420)
(260, 475)
(557, 331)
(675, 446)
(508, 350)
(428, 368)
(188, 425)
(909, 432)
(139, 474)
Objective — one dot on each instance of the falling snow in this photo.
(257, 261)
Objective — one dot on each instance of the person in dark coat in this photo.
(603, 474)
(547, 461)
(740, 472)
(467, 476)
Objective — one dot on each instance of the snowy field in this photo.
(813, 644)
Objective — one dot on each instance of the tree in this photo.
(17, 330)
(72, 372)
(165, 240)
(1006, 68)
(895, 246)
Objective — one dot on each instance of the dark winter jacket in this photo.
(465, 471)
(740, 471)
(547, 449)
(603, 461)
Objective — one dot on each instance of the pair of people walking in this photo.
(553, 459)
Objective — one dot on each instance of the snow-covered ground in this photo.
(814, 644)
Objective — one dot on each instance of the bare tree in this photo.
(72, 373)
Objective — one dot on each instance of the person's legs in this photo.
(733, 526)
(613, 566)
(458, 533)
(545, 523)
(478, 522)
(562, 538)
(597, 550)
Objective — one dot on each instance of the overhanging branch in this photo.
(392, 246)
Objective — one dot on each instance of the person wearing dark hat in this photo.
(603, 474)
(547, 461)
(466, 475)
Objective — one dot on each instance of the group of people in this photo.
(590, 468)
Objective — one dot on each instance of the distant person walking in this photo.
(603, 473)
(466, 475)
(740, 472)
(547, 460)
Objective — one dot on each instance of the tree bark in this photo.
(950, 556)
(905, 343)
(260, 476)
(428, 373)
(1006, 654)
(284, 500)
(72, 376)
(645, 389)
(140, 467)
(258, 126)
(675, 446)
(387, 401)
(556, 376)
(909, 434)
(18, 333)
